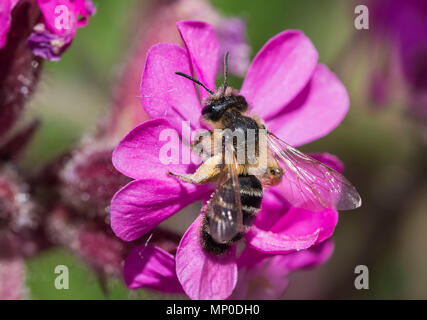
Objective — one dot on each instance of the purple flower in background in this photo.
(56, 30)
(299, 99)
(400, 45)
(231, 33)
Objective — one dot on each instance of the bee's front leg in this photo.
(207, 172)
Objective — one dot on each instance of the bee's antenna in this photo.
(194, 80)
(225, 85)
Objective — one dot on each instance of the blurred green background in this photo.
(382, 150)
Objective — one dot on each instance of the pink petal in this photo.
(138, 155)
(6, 7)
(279, 243)
(203, 48)
(151, 267)
(54, 22)
(142, 204)
(204, 275)
(301, 223)
(165, 94)
(279, 72)
(56, 13)
(310, 258)
(297, 229)
(86, 8)
(315, 112)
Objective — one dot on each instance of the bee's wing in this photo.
(309, 184)
(224, 210)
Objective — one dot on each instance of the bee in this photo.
(233, 206)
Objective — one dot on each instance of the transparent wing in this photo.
(309, 184)
(224, 209)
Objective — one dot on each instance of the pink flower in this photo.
(300, 101)
(55, 32)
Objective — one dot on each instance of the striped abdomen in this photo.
(251, 193)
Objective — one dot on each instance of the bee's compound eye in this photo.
(272, 171)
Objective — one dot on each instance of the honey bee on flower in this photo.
(241, 176)
(296, 99)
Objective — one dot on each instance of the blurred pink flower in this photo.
(20, 233)
(399, 41)
(12, 279)
(89, 179)
(88, 238)
(300, 101)
(55, 32)
(18, 213)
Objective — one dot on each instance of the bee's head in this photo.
(220, 102)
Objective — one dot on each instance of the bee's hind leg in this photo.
(191, 178)
(207, 172)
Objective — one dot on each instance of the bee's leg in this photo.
(207, 172)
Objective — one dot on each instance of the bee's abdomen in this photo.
(251, 193)
(210, 245)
